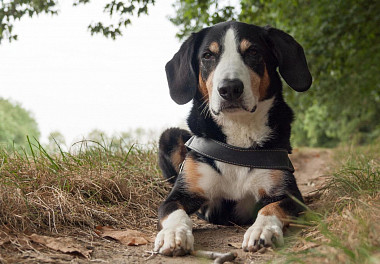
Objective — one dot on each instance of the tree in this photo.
(13, 10)
(15, 124)
(10, 11)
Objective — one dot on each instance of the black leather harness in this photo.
(254, 158)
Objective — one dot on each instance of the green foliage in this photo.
(193, 15)
(10, 11)
(15, 124)
(121, 9)
(340, 39)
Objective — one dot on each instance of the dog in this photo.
(230, 72)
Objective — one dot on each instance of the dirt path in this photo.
(310, 164)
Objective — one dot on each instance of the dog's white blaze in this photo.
(246, 129)
(234, 182)
(242, 129)
(231, 66)
(265, 227)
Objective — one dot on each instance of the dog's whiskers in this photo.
(204, 106)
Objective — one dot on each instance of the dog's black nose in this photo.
(231, 89)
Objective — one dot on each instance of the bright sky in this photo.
(74, 83)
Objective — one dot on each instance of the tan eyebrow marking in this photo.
(244, 45)
(214, 47)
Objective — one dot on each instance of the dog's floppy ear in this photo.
(291, 59)
(181, 72)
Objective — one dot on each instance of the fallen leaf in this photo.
(63, 244)
(127, 237)
(235, 245)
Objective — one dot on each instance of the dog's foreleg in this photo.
(268, 227)
(175, 237)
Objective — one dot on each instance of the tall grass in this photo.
(118, 184)
(346, 221)
(93, 184)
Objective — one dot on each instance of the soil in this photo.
(311, 166)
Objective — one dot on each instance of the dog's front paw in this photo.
(176, 237)
(174, 241)
(263, 233)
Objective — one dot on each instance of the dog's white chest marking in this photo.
(234, 182)
(237, 182)
(247, 129)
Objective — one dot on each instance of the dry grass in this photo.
(93, 185)
(345, 221)
(103, 184)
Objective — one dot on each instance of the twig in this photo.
(298, 225)
(153, 254)
(216, 256)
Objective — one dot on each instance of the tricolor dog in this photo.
(230, 72)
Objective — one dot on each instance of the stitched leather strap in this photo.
(254, 158)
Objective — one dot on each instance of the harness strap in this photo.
(254, 158)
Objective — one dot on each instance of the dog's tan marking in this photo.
(209, 83)
(214, 47)
(178, 155)
(264, 84)
(192, 176)
(262, 192)
(255, 83)
(275, 209)
(244, 45)
(203, 86)
(259, 85)
(206, 86)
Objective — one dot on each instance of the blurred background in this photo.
(95, 69)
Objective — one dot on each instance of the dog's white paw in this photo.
(176, 237)
(263, 233)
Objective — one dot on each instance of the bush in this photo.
(15, 124)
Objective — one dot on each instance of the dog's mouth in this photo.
(231, 108)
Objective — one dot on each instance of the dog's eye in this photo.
(207, 55)
(251, 51)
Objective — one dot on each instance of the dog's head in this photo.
(232, 65)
